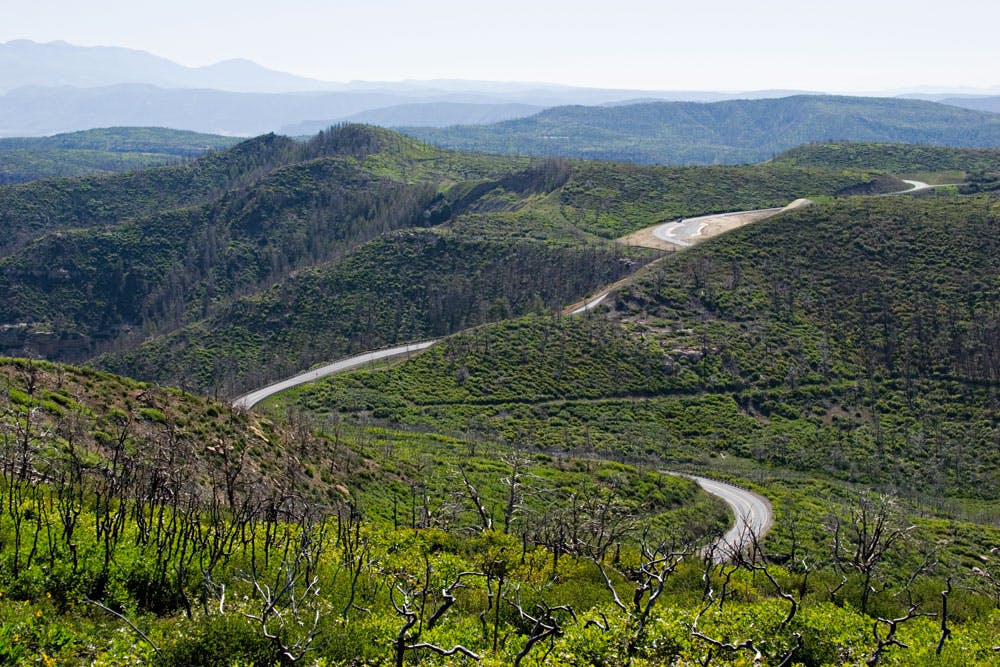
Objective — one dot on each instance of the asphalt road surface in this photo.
(752, 513)
(685, 232)
(251, 399)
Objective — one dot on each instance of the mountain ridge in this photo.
(727, 132)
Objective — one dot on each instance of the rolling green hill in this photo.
(731, 132)
(894, 158)
(537, 240)
(503, 496)
(856, 339)
(214, 267)
(101, 151)
(973, 169)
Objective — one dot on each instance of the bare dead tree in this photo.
(485, 519)
(544, 624)
(749, 556)
(862, 542)
(884, 643)
(518, 464)
(357, 555)
(289, 601)
(409, 599)
(945, 630)
(657, 562)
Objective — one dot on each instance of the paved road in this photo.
(751, 510)
(917, 185)
(593, 303)
(251, 399)
(685, 232)
(688, 231)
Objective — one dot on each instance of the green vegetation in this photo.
(732, 132)
(94, 152)
(247, 264)
(147, 525)
(531, 242)
(934, 164)
(853, 338)
(502, 497)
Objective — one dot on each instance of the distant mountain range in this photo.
(27, 63)
(57, 87)
(991, 104)
(730, 132)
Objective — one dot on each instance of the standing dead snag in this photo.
(485, 519)
(543, 625)
(945, 630)
(656, 564)
(866, 538)
(515, 495)
(290, 612)
(749, 556)
(883, 644)
(409, 600)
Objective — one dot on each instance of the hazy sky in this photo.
(850, 45)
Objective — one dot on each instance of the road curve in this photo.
(687, 231)
(917, 185)
(752, 513)
(248, 400)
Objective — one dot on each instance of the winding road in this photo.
(752, 512)
(248, 400)
(686, 232)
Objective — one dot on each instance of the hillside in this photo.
(984, 103)
(95, 152)
(153, 502)
(729, 132)
(894, 158)
(537, 240)
(506, 495)
(223, 244)
(855, 339)
(426, 114)
(972, 169)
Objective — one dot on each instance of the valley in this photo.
(526, 347)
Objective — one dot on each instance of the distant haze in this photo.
(844, 46)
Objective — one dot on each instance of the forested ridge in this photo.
(101, 151)
(730, 132)
(855, 337)
(189, 261)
